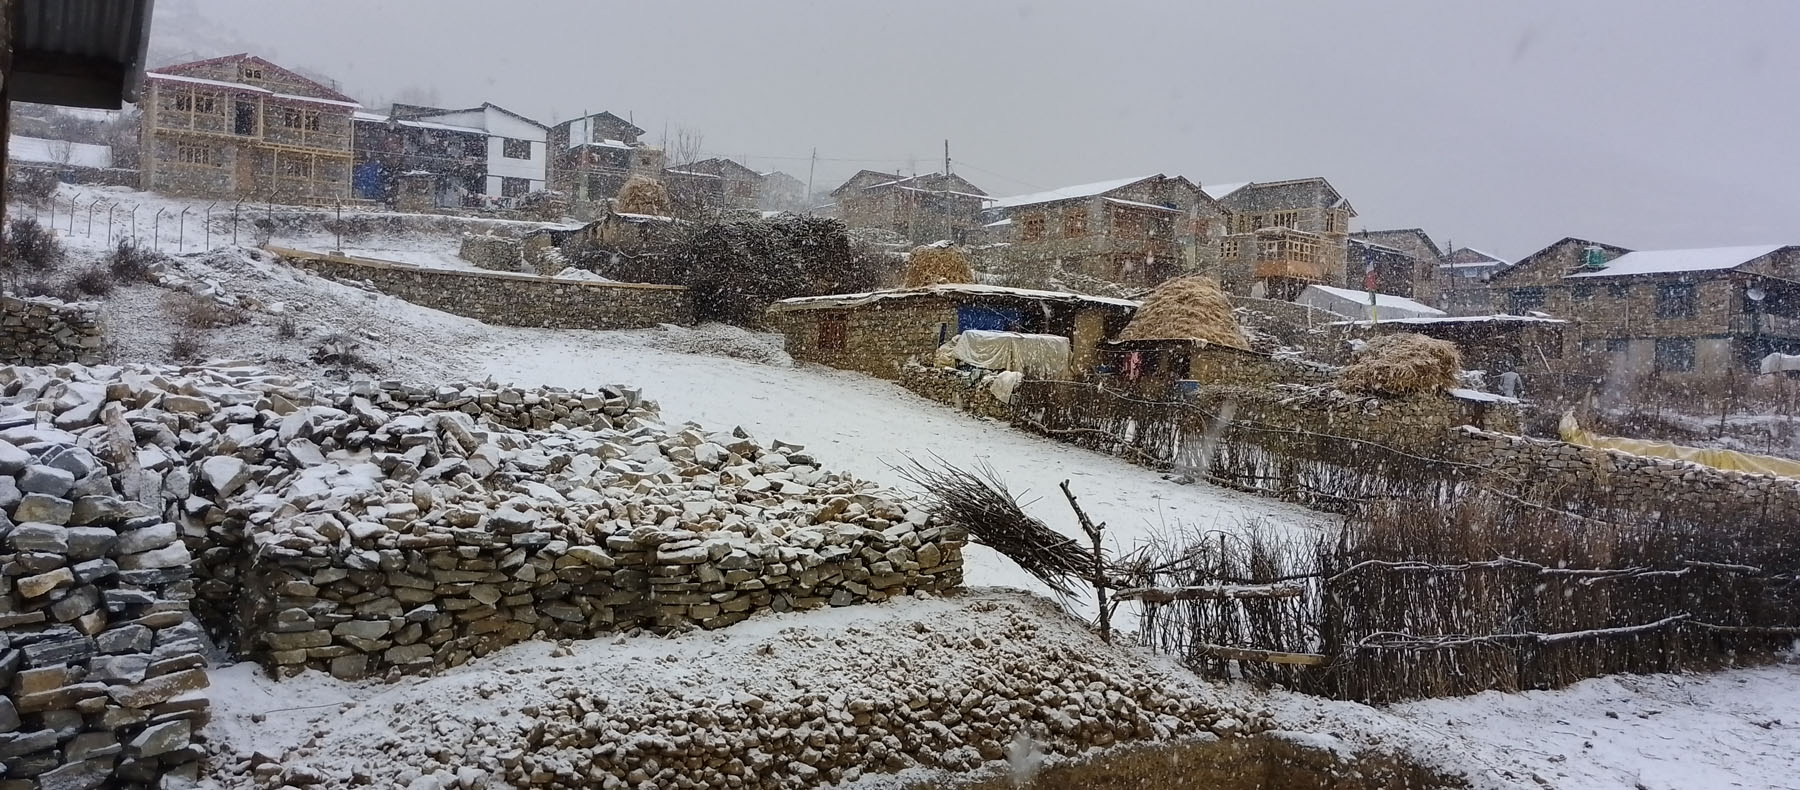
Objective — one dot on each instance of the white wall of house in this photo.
(501, 127)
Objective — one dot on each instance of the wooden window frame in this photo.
(1075, 222)
(197, 154)
(507, 148)
(1031, 227)
(834, 333)
(1285, 219)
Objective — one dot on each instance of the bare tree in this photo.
(685, 147)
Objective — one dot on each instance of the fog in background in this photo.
(1501, 126)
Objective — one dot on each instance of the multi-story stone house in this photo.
(781, 192)
(1674, 314)
(591, 158)
(242, 127)
(1405, 261)
(1284, 235)
(1131, 231)
(475, 157)
(922, 209)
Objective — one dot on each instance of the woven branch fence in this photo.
(1445, 579)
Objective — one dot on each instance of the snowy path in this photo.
(864, 425)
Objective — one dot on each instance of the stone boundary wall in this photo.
(1549, 465)
(953, 388)
(510, 299)
(48, 332)
(494, 253)
(404, 603)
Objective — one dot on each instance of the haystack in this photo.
(642, 195)
(1187, 308)
(934, 264)
(1402, 364)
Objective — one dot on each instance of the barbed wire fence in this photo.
(112, 220)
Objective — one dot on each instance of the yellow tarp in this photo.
(1718, 459)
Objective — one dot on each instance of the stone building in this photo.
(1466, 273)
(242, 127)
(781, 192)
(735, 186)
(441, 165)
(879, 333)
(1132, 231)
(1406, 262)
(591, 157)
(484, 155)
(922, 209)
(1284, 235)
(1680, 315)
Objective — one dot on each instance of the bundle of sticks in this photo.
(979, 502)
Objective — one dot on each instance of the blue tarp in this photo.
(991, 319)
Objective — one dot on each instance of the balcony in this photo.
(1311, 271)
(1766, 325)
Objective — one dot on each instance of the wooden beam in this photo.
(1212, 592)
(1265, 656)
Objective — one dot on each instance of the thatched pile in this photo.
(1187, 308)
(1402, 364)
(934, 264)
(642, 195)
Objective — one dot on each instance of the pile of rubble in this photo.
(385, 528)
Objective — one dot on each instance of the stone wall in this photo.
(966, 390)
(1224, 366)
(1547, 466)
(879, 338)
(511, 299)
(48, 332)
(491, 252)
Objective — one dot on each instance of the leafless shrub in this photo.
(185, 346)
(44, 287)
(287, 328)
(199, 312)
(132, 263)
(95, 280)
(341, 350)
(31, 247)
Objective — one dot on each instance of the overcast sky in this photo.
(1497, 125)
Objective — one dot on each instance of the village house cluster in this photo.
(243, 128)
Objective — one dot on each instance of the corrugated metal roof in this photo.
(80, 53)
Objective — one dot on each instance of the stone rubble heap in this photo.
(933, 686)
(379, 529)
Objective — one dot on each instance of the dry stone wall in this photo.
(511, 299)
(1547, 466)
(48, 332)
(491, 252)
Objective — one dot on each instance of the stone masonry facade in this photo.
(878, 339)
(48, 332)
(512, 299)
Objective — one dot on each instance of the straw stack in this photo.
(642, 195)
(934, 264)
(1402, 364)
(1187, 308)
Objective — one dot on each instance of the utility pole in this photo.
(946, 156)
(809, 178)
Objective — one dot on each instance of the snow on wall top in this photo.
(1381, 300)
(239, 86)
(1067, 193)
(1461, 319)
(1219, 191)
(38, 149)
(1137, 204)
(1672, 261)
(964, 289)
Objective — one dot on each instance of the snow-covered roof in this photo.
(1461, 319)
(1491, 257)
(1478, 395)
(1675, 261)
(365, 115)
(1136, 204)
(961, 289)
(1219, 191)
(1068, 193)
(1381, 300)
(1473, 265)
(59, 152)
(690, 173)
(607, 143)
(1000, 224)
(442, 127)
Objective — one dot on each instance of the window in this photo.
(1581, 291)
(1331, 222)
(834, 333)
(1031, 228)
(1127, 224)
(196, 154)
(596, 188)
(1674, 354)
(1618, 346)
(311, 123)
(296, 168)
(1228, 249)
(1675, 300)
(1285, 219)
(293, 119)
(515, 149)
(184, 102)
(244, 121)
(514, 187)
(206, 103)
(1618, 290)
(1075, 222)
(250, 73)
(1525, 300)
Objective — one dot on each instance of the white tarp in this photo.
(1355, 304)
(1780, 363)
(1003, 384)
(1033, 355)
